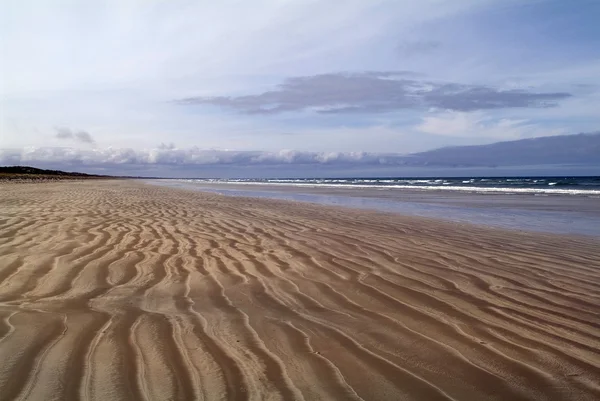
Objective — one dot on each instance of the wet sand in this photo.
(588, 205)
(115, 290)
(558, 214)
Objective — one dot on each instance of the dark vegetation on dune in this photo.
(32, 173)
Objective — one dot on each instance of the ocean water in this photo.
(563, 205)
(586, 186)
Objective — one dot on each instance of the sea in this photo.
(561, 205)
(584, 186)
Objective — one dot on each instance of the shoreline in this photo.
(115, 289)
(558, 214)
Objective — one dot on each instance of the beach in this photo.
(542, 210)
(113, 290)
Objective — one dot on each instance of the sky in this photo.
(137, 84)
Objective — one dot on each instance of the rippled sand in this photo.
(116, 290)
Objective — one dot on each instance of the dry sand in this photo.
(118, 290)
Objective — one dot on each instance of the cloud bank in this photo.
(168, 155)
(582, 149)
(377, 92)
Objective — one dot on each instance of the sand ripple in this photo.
(117, 290)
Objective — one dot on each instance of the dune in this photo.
(114, 290)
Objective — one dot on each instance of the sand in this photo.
(118, 290)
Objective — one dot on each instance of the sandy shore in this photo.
(117, 290)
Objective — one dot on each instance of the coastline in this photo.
(118, 289)
(559, 214)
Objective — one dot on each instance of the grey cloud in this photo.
(67, 133)
(376, 92)
(83, 136)
(415, 48)
(63, 133)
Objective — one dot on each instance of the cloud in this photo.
(63, 133)
(376, 92)
(67, 133)
(418, 47)
(167, 155)
(84, 136)
(167, 146)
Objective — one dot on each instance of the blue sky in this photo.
(101, 79)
